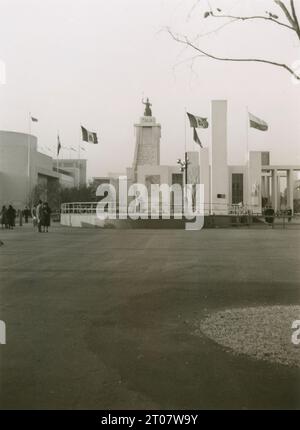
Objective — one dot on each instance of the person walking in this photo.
(3, 217)
(26, 214)
(269, 215)
(46, 217)
(39, 209)
(11, 216)
(34, 217)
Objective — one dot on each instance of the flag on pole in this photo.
(58, 145)
(257, 123)
(33, 119)
(89, 136)
(196, 138)
(197, 121)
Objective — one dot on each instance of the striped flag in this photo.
(197, 121)
(89, 136)
(257, 123)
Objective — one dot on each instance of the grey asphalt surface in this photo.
(105, 319)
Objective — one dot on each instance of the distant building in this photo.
(99, 180)
(75, 167)
(23, 167)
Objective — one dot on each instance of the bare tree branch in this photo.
(285, 11)
(187, 42)
(291, 16)
(255, 17)
(295, 18)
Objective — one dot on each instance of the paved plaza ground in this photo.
(107, 319)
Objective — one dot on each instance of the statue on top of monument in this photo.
(148, 111)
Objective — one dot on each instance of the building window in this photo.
(265, 158)
(237, 188)
(177, 178)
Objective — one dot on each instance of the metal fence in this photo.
(79, 208)
(219, 208)
(236, 216)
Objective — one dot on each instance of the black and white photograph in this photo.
(149, 208)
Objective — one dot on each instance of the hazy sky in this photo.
(91, 62)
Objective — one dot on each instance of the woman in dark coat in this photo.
(11, 216)
(3, 217)
(46, 217)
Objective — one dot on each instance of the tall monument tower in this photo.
(147, 143)
(219, 167)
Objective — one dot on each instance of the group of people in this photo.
(40, 213)
(8, 217)
(270, 214)
(41, 216)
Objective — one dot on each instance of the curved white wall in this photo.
(14, 177)
(80, 220)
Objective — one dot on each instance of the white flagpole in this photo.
(185, 155)
(79, 143)
(29, 156)
(57, 153)
(247, 159)
(185, 138)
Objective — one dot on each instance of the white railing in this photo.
(76, 213)
(79, 208)
(91, 207)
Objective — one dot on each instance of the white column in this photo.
(255, 181)
(290, 189)
(204, 177)
(268, 187)
(263, 186)
(219, 167)
(274, 190)
(278, 191)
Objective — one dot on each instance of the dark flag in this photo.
(197, 121)
(88, 136)
(33, 119)
(58, 145)
(196, 138)
(257, 123)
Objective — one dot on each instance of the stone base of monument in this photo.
(85, 221)
(210, 221)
